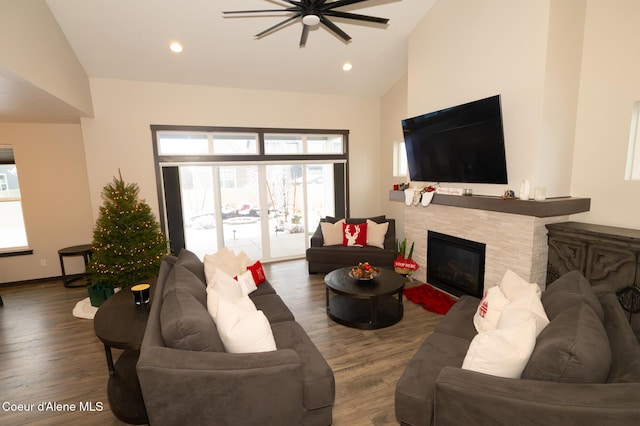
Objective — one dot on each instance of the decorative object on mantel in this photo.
(430, 298)
(449, 191)
(540, 193)
(404, 265)
(427, 195)
(423, 196)
(400, 186)
(525, 189)
(409, 195)
(508, 195)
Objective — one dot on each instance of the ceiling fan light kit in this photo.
(312, 13)
(311, 20)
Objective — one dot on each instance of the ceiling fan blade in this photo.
(340, 3)
(276, 26)
(305, 35)
(356, 16)
(288, 9)
(330, 25)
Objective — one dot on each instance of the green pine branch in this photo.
(128, 245)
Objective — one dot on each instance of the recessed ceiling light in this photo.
(175, 47)
(347, 66)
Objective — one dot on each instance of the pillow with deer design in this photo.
(354, 234)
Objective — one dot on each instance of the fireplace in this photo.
(455, 265)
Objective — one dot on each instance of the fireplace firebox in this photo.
(455, 265)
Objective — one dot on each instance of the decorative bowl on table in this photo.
(364, 271)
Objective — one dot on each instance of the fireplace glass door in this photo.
(455, 265)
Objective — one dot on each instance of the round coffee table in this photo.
(364, 304)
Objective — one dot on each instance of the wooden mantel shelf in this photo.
(550, 207)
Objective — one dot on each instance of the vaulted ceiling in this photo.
(126, 39)
(129, 40)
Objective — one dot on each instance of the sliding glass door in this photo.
(257, 192)
(267, 211)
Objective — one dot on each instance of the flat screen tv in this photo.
(464, 143)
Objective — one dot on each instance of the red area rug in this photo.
(429, 298)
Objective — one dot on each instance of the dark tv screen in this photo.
(464, 143)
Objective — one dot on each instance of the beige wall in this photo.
(50, 65)
(462, 51)
(119, 136)
(609, 86)
(393, 111)
(568, 81)
(55, 197)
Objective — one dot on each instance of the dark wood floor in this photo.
(48, 356)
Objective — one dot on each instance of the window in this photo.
(303, 144)
(206, 143)
(174, 143)
(13, 235)
(261, 191)
(234, 144)
(400, 160)
(633, 156)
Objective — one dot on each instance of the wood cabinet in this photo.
(604, 254)
(601, 253)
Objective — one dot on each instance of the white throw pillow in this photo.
(243, 261)
(225, 260)
(529, 301)
(242, 331)
(332, 233)
(513, 286)
(489, 309)
(246, 282)
(503, 352)
(221, 283)
(376, 233)
(213, 302)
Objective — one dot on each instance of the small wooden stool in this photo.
(84, 250)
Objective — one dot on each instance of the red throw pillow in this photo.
(257, 272)
(354, 234)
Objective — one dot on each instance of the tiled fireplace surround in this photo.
(515, 238)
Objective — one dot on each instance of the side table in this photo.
(120, 323)
(84, 250)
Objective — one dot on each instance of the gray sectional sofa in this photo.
(186, 376)
(584, 370)
(324, 259)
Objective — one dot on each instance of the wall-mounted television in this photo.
(464, 143)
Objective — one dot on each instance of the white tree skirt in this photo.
(83, 309)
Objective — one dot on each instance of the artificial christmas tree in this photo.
(127, 242)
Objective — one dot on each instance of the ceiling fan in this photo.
(312, 13)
